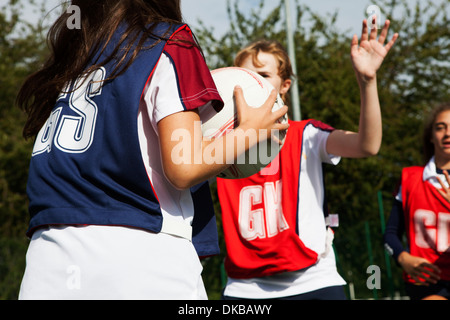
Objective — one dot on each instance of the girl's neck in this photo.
(443, 164)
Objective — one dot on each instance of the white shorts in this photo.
(102, 263)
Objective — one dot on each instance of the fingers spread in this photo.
(365, 31)
(389, 45)
(384, 32)
(374, 31)
(354, 48)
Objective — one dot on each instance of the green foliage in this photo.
(414, 77)
(21, 50)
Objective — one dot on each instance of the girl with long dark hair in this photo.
(111, 205)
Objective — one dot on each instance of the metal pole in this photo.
(369, 250)
(291, 51)
(386, 256)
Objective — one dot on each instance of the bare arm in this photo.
(199, 166)
(367, 58)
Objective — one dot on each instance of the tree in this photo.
(21, 51)
(413, 78)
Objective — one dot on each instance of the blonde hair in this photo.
(268, 46)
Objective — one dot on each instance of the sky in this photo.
(213, 12)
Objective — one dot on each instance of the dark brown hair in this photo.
(71, 50)
(428, 146)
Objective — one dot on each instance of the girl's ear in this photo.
(285, 86)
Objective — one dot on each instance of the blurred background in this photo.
(414, 78)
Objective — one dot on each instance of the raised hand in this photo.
(368, 56)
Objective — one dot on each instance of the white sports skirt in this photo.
(110, 263)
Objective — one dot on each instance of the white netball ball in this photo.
(256, 91)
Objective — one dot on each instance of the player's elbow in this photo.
(179, 184)
(369, 147)
(370, 152)
(181, 177)
(180, 181)
(367, 152)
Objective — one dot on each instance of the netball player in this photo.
(421, 210)
(111, 211)
(276, 234)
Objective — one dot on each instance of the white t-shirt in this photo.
(312, 228)
(105, 262)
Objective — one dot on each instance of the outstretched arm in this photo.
(367, 57)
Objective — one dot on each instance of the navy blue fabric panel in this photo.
(204, 230)
(88, 156)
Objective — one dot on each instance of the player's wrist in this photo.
(367, 80)
(402, 257)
